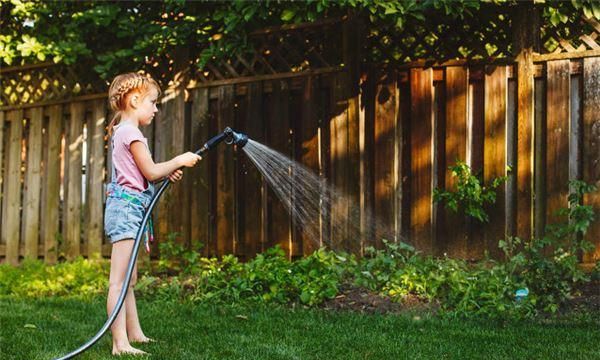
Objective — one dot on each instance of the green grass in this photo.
(187, 331)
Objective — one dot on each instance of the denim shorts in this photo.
(124, 211)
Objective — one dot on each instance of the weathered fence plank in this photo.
(557, 140)
(539, 206)
(94, 231)
(339, 146)
(2, 165)
(278, 127)
(457, 82)
(421, 82)
(367, 160)
(307, 146)
(31, 205)
(12, 188)
(73, 173)
(591, 146)
(494, 161)
(251, 185)
(226, 219)
(386, 109)
(200, 174)
(50, 223)
(475, 153)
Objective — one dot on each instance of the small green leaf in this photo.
(287, 15)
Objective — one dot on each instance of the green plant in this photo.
(76, 278)
(549, 266)
(471, 195)
(595, 275)
(176, 257)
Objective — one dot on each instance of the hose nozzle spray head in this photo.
(232, 137)
(229, 136)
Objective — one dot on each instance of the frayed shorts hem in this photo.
(122, 237)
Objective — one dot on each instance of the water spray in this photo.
(229, 137)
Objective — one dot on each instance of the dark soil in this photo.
(358, 299)
(352, 298)
(587, 298)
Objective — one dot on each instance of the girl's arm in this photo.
(153, 171)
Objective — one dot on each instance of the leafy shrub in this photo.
(596, 271)
(33, 278)
(174, 257)
(471, 195)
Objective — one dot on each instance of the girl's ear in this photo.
(134, 101)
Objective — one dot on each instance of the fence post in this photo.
(526, 40)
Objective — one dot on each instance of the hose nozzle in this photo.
(232, 137)
(229, 136)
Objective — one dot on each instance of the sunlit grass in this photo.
(48, 328)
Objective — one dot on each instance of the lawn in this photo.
(48, 328)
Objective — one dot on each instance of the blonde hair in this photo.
(122, 87)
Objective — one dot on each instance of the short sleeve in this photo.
(129, 134)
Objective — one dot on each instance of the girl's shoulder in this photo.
(126, 134)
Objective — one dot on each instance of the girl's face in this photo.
(146, 108)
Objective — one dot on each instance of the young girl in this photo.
(133, 98)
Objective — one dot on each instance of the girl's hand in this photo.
(175, 175)
(188, 159)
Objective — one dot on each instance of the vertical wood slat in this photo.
(308, 146)
(557, 140)
(278, 126)
(539, 206)
(2, 165)
(163, 129)
(511, 158)
(367, 162)
(421, 82)
(403, 131)
(72, 230)
(338, 135)
(384, 160)
(591, 147)
(526, 25)
(494, 161)
(457, 83)
(94, 233)
(438, 166)
(199, 193)
(475, 248)
(11, 218)
(31, 205)
(50, 225)
(251, 184)
(178, 206)
(226, 222)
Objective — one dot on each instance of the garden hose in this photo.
(230, 137)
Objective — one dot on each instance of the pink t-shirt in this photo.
(126, 171)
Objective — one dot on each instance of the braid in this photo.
(121, 87)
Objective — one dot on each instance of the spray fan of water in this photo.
(311, 202)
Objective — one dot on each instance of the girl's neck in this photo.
(129, 121)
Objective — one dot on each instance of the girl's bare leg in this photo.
(134, 330)
(119, 259)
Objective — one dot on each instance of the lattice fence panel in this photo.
(283, 50)
(580, 35)
(43, 83)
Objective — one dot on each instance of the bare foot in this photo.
(141, 339)
(127, 350)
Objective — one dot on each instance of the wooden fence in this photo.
(384, 140)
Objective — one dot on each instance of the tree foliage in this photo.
(116, 36)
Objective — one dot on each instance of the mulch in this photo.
(358, 299)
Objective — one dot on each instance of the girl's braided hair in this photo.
(121, 87)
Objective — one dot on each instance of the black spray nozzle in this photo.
(229, 136)
(232, 137)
